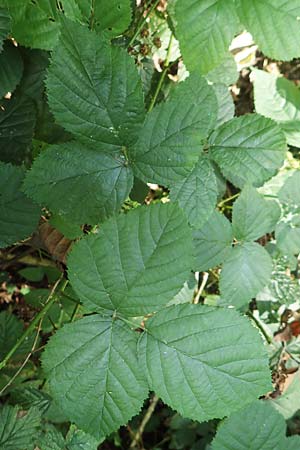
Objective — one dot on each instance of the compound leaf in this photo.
(79, 183)
(98, 94)
(248, 149)
(197, 193)
(173, 134)
(212, 242)
(258, 426)
(205, 29)
(268, 21)
(246, 271)
(253, 216)
(136, 263)
(18, 432)
(18, 215)
(203, 361)
(95, 378)
(11, 68)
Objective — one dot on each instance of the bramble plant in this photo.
(163, 292)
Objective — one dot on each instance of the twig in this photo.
(50, 300)
(259, 325)
(141, 24)
(163, 75)
(201, 288)
(26, 359)
(144, 422)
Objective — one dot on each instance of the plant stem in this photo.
(26, 359)
(142, 23)
(50, 300)
(259, 325)
(201, 288)
(228, 200)
(163, 75)
(144, 422)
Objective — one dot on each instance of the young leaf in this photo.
(18, 215)
(98, 96)
(203, 362)
(11, 68)
(248, 149)
(4, 25)
(136, 263)
(246, 271)
(95, 378)
(17, 122)
(212, 242)
(277, 16)
(279, 99)
(113, 17)
(18, 432)
(258, 425)
(173, 134)
(197, 193)
(253, 216)
(79, 183)
(205, 30)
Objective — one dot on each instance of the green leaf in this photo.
(279, 99)
(203, 362)
(80, 184)
(150, 251)
(37, 24)
(11, 68)
(17, 122)
(277, 16)
(226, 73)
(18, 432)
(253, 216)
(287, 232)
(79, 440)
(10, 330)
(34, 24)
(289, 194)
(287, 235)
(249, 148)
(205, 29)
(225, 104)
(114, 17)
(98, 96)
(246, 271)
(95, 378)
(257, 426)
(18, 215)
(68, 229)
(212, 242)
(4, 25)
(170, 141)
(197, 193)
